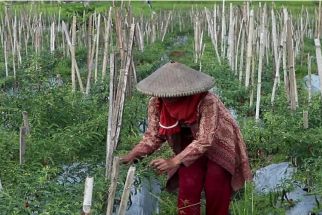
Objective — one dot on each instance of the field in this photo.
(57, 62)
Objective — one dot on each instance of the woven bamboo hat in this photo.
(174, 80)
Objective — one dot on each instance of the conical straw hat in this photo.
(175, 79)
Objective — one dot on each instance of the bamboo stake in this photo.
(305, 119)
(274, 36)
(310, 80)
(109, 140)
(249, 47)
(97, 43)
(106, 42)
(88, 192)
(260, 67)
(73, 54)
(231, 39)
(1, 187)
(213, 34)
(123, 89)
(52, 37)
(26, 123)
(286, 78)
(319, 60)
(22, 144)
(72, 51)
(5, 57)
(319, 21)
(89, 46)
(223, 29)
(237, 45)
(251, 99)
(241, 61)
(166, 26)
(112, 189)
(126, 192)
(290, 54)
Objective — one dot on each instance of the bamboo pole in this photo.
(286, 78)
(113, 186)
(319, 21)
(124, 85)
(290, 55)
(22, 144)
(52, 37)
(242, 50)
(310, 80)
(88, 192)
(5, 57)
(106, 42)
(231, 39)
(223, 29)
(249, 47)
(213, 34)
(251, 98)
(305, 119)
(319, 60)
(260, 66)
(26, 123)
(166, 26)
(72, 51)
(126, 192)
(89, 46)
(109, 140)
(73, 54)
(97, 43)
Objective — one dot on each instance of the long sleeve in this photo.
(208, 122)
(151, 140)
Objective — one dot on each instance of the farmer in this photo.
(210, 154)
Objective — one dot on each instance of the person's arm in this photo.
(151, 140)
(205, 136)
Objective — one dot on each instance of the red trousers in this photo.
(207, 175)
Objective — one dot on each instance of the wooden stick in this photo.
(166, 26)
(310, 80)
(109, 142)
(126, 192)
(106, 42)
(1, 187)
(305, 119)
(125, 78)
(22, 144)
(249, 47)
(73, 54)
(319, 60)
(113, 186)
(223, 29)
(5, 57)
(242, 50)
(231, 39)
(88, 192)
(52, 37)
(89, 46)
(26, 121)
(72, 51)
(260, 67)
(286, 79)
(290, 54)
(97, 43)
(319, 21)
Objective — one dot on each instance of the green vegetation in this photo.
(69, 128)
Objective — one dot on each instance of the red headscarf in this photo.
(182, 109)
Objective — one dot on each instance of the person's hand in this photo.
(163, 165)
(127, 159)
